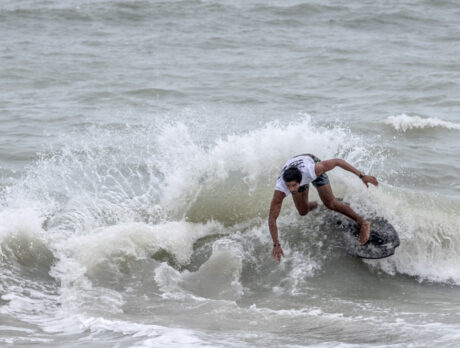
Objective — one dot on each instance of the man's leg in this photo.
(328, 198)
(302, 204)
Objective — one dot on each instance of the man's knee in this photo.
(331, 204)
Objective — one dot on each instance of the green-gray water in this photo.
(140, 145)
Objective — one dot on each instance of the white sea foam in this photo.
(107, 250)
(303, 266)
(21, 223)
(217, 278)
(428, 229)
(404, 123)
(146, 335)
(139, 241)
(256, 157)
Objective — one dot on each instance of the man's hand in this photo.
(368, 179)
(277, 252)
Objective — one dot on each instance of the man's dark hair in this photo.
(292, 174)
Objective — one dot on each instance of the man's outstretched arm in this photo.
(275, 208)
(327, 165)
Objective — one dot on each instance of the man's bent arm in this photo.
(327, 165)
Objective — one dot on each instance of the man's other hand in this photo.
(277, 252)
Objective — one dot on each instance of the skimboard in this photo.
(382, 242)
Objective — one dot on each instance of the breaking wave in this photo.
(107, 219)
(404, 123)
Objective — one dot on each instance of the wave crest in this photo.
(403, 123)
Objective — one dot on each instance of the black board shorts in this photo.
(321, 180)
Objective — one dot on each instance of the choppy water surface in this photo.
(140, 145)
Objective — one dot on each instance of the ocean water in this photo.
(140, 144)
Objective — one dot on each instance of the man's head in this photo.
(292, 177)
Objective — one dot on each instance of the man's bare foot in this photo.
(312, 206)
(364, 232)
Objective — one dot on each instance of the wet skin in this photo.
(326, 196)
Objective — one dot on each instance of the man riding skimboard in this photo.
(295, 177)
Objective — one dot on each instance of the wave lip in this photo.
(404, 123)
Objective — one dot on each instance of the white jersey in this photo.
(305, 164)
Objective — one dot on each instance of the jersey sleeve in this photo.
(281, 186)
